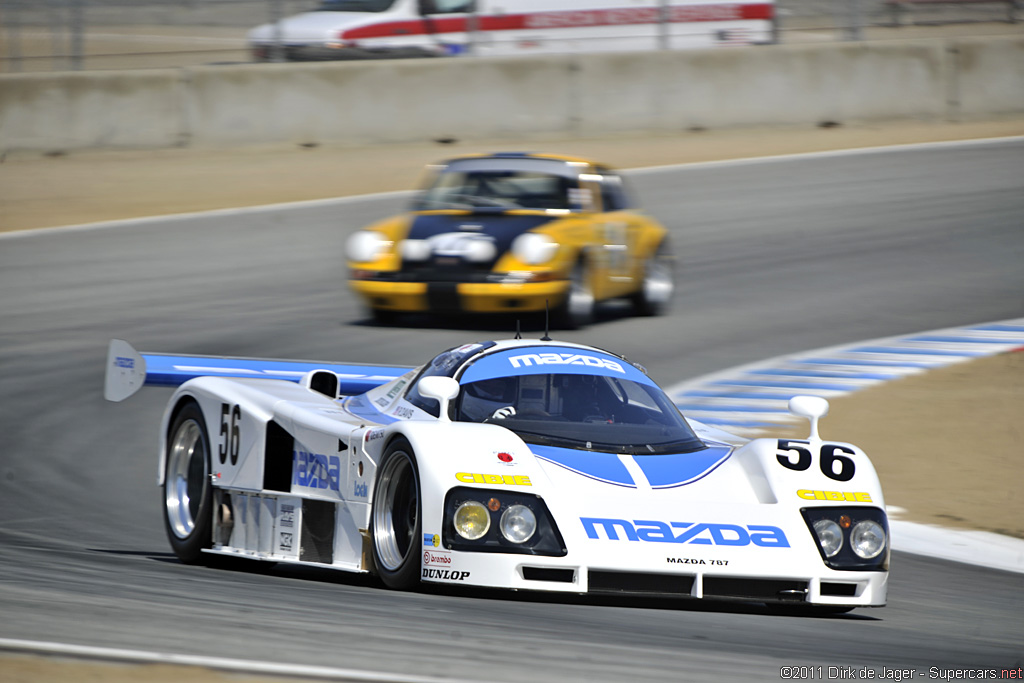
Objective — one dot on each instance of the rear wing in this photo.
(129, 370)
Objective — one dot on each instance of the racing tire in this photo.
(655, 294)
(188, 492)
(578, 308)
(396, 523)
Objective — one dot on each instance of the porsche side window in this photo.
(355, 5)
(446, 6)
(613, 192)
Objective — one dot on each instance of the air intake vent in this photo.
(839, 590)
(549, 574)
(317, 531)
(641, 584)
(754, 589)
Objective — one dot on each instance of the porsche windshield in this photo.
(355, 5)
(507, 183)
(582, 411)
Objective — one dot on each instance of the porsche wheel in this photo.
(188, 494)
(396, 524)
(655, 294)
(578, 308)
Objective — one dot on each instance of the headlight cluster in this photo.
(366, 245)
(855, 538)
(500, 521)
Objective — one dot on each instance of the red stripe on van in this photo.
(564, 19)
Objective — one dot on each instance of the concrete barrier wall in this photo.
(585, 95)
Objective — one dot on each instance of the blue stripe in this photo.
(832, 375)
(739, 423)
(783, 396)
(716, 408)
(868, 363)
(171, 371)
(962, 340)
(783, 385)
(671, 471)
(604, 467)
(915, 352)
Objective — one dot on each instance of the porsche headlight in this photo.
(534, 248)
(518, 524)
(472, 520)
(366, 245)
(867, 539)
(415, 250)
(830, 536)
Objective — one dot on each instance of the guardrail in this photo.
(420, 100)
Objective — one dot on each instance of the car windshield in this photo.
(581, 411)
(503, 184)
(355, 5)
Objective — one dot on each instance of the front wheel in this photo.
(395, 523)
(578, 308)
(188, 494)
(658, 286)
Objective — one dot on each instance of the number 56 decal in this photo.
(796, 456)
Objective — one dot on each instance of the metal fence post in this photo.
(77, 24)
(664, 24)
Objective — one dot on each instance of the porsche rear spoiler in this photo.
(129, 370)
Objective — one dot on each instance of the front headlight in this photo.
(518, 523)
(830, 536)
(366, 245)
(533, 248)
(472, 520)
(867, 539)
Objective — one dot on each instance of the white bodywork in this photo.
(736, 522)
(519, 27)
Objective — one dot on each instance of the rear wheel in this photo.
(395, 523)
(188, 494)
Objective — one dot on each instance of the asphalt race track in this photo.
(776, 257)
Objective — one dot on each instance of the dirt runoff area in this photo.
(947, 443)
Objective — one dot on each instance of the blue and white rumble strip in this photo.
(750, 398)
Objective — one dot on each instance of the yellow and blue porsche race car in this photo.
(513, 233)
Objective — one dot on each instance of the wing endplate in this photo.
(129, 370)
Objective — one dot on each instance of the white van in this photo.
(359, 29)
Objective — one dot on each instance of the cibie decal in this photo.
(847, 496)
(510, 480)
(654, 531)
(432, 540)
(528, 359)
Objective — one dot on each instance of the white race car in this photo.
(516, 464)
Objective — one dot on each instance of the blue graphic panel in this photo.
(668, 471)
(553, 360)
(604, 467)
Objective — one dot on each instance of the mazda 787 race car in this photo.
(513, 233)
(516, 464)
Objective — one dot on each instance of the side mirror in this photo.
(812, 407)
(441, 388)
